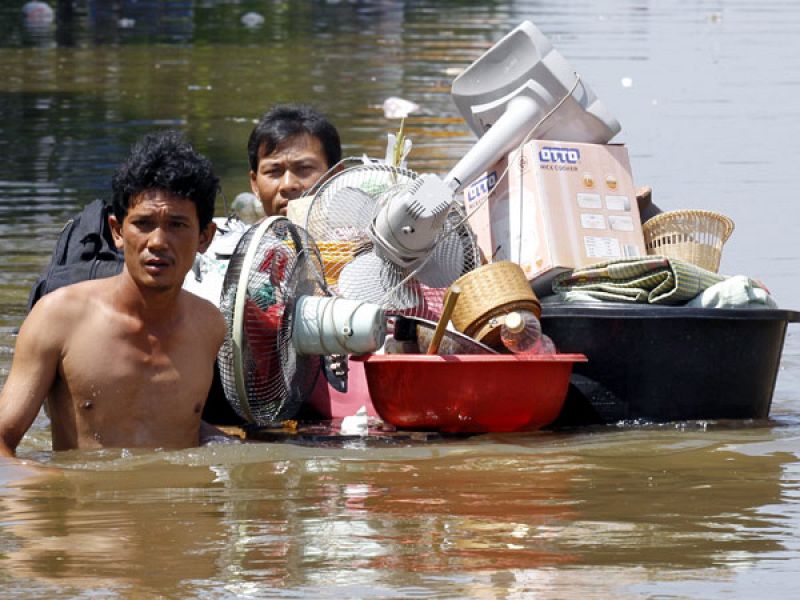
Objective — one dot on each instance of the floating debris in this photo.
(248, 207)
(37, 14)
(357, 424)
(251, 20)
(398, 108)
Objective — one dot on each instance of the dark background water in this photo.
(706, 94)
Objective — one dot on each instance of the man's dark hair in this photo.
(166, 161)
(284, 121)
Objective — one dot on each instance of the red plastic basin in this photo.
(468, 393)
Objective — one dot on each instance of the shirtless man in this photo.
(127, 361)
(290, 148)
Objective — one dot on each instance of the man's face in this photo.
(292, 168)
(159, 237)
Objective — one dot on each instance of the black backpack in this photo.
(84, 250)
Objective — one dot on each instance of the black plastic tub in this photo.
(657, 364)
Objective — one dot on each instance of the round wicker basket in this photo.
(487, 294)
(696, 236)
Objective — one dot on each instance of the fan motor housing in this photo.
(406, 228)
(327, 325)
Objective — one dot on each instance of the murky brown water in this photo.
(691, 510)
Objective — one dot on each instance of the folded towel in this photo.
(735, 292)
(652, 279)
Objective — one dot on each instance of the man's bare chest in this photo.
(135, 371)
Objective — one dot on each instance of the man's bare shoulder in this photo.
(69, 303)
(54, 319)
(205, 312)
(201, 305)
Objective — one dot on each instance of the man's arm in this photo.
(33, 371)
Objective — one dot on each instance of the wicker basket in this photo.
(696, 236)
(487, 295)
(335, 256)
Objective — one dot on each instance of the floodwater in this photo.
(706, 94)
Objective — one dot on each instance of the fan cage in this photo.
(273, 381)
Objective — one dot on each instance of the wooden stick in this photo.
(447, 310)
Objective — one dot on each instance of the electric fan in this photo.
(281, 322)
(390, 236)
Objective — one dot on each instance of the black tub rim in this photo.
(617, 310)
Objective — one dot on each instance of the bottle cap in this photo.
(514, 322)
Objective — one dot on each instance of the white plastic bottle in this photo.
(521, 333)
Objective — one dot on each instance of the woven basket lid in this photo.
(488, 293)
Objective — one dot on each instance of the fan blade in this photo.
(446, 263)
(370, 278)
(344, 215)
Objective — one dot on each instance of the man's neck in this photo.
(155, 306)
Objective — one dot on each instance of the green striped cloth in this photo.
(653, 280)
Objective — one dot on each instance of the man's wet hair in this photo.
(166, 161)
(285, 121)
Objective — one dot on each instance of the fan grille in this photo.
(339, 219)
(274, 380)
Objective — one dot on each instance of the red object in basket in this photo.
(261, 328)
(476, 393)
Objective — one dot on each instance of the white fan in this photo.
(281, 322)
(392, 237)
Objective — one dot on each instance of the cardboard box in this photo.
(562, 205)
(488, 216)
